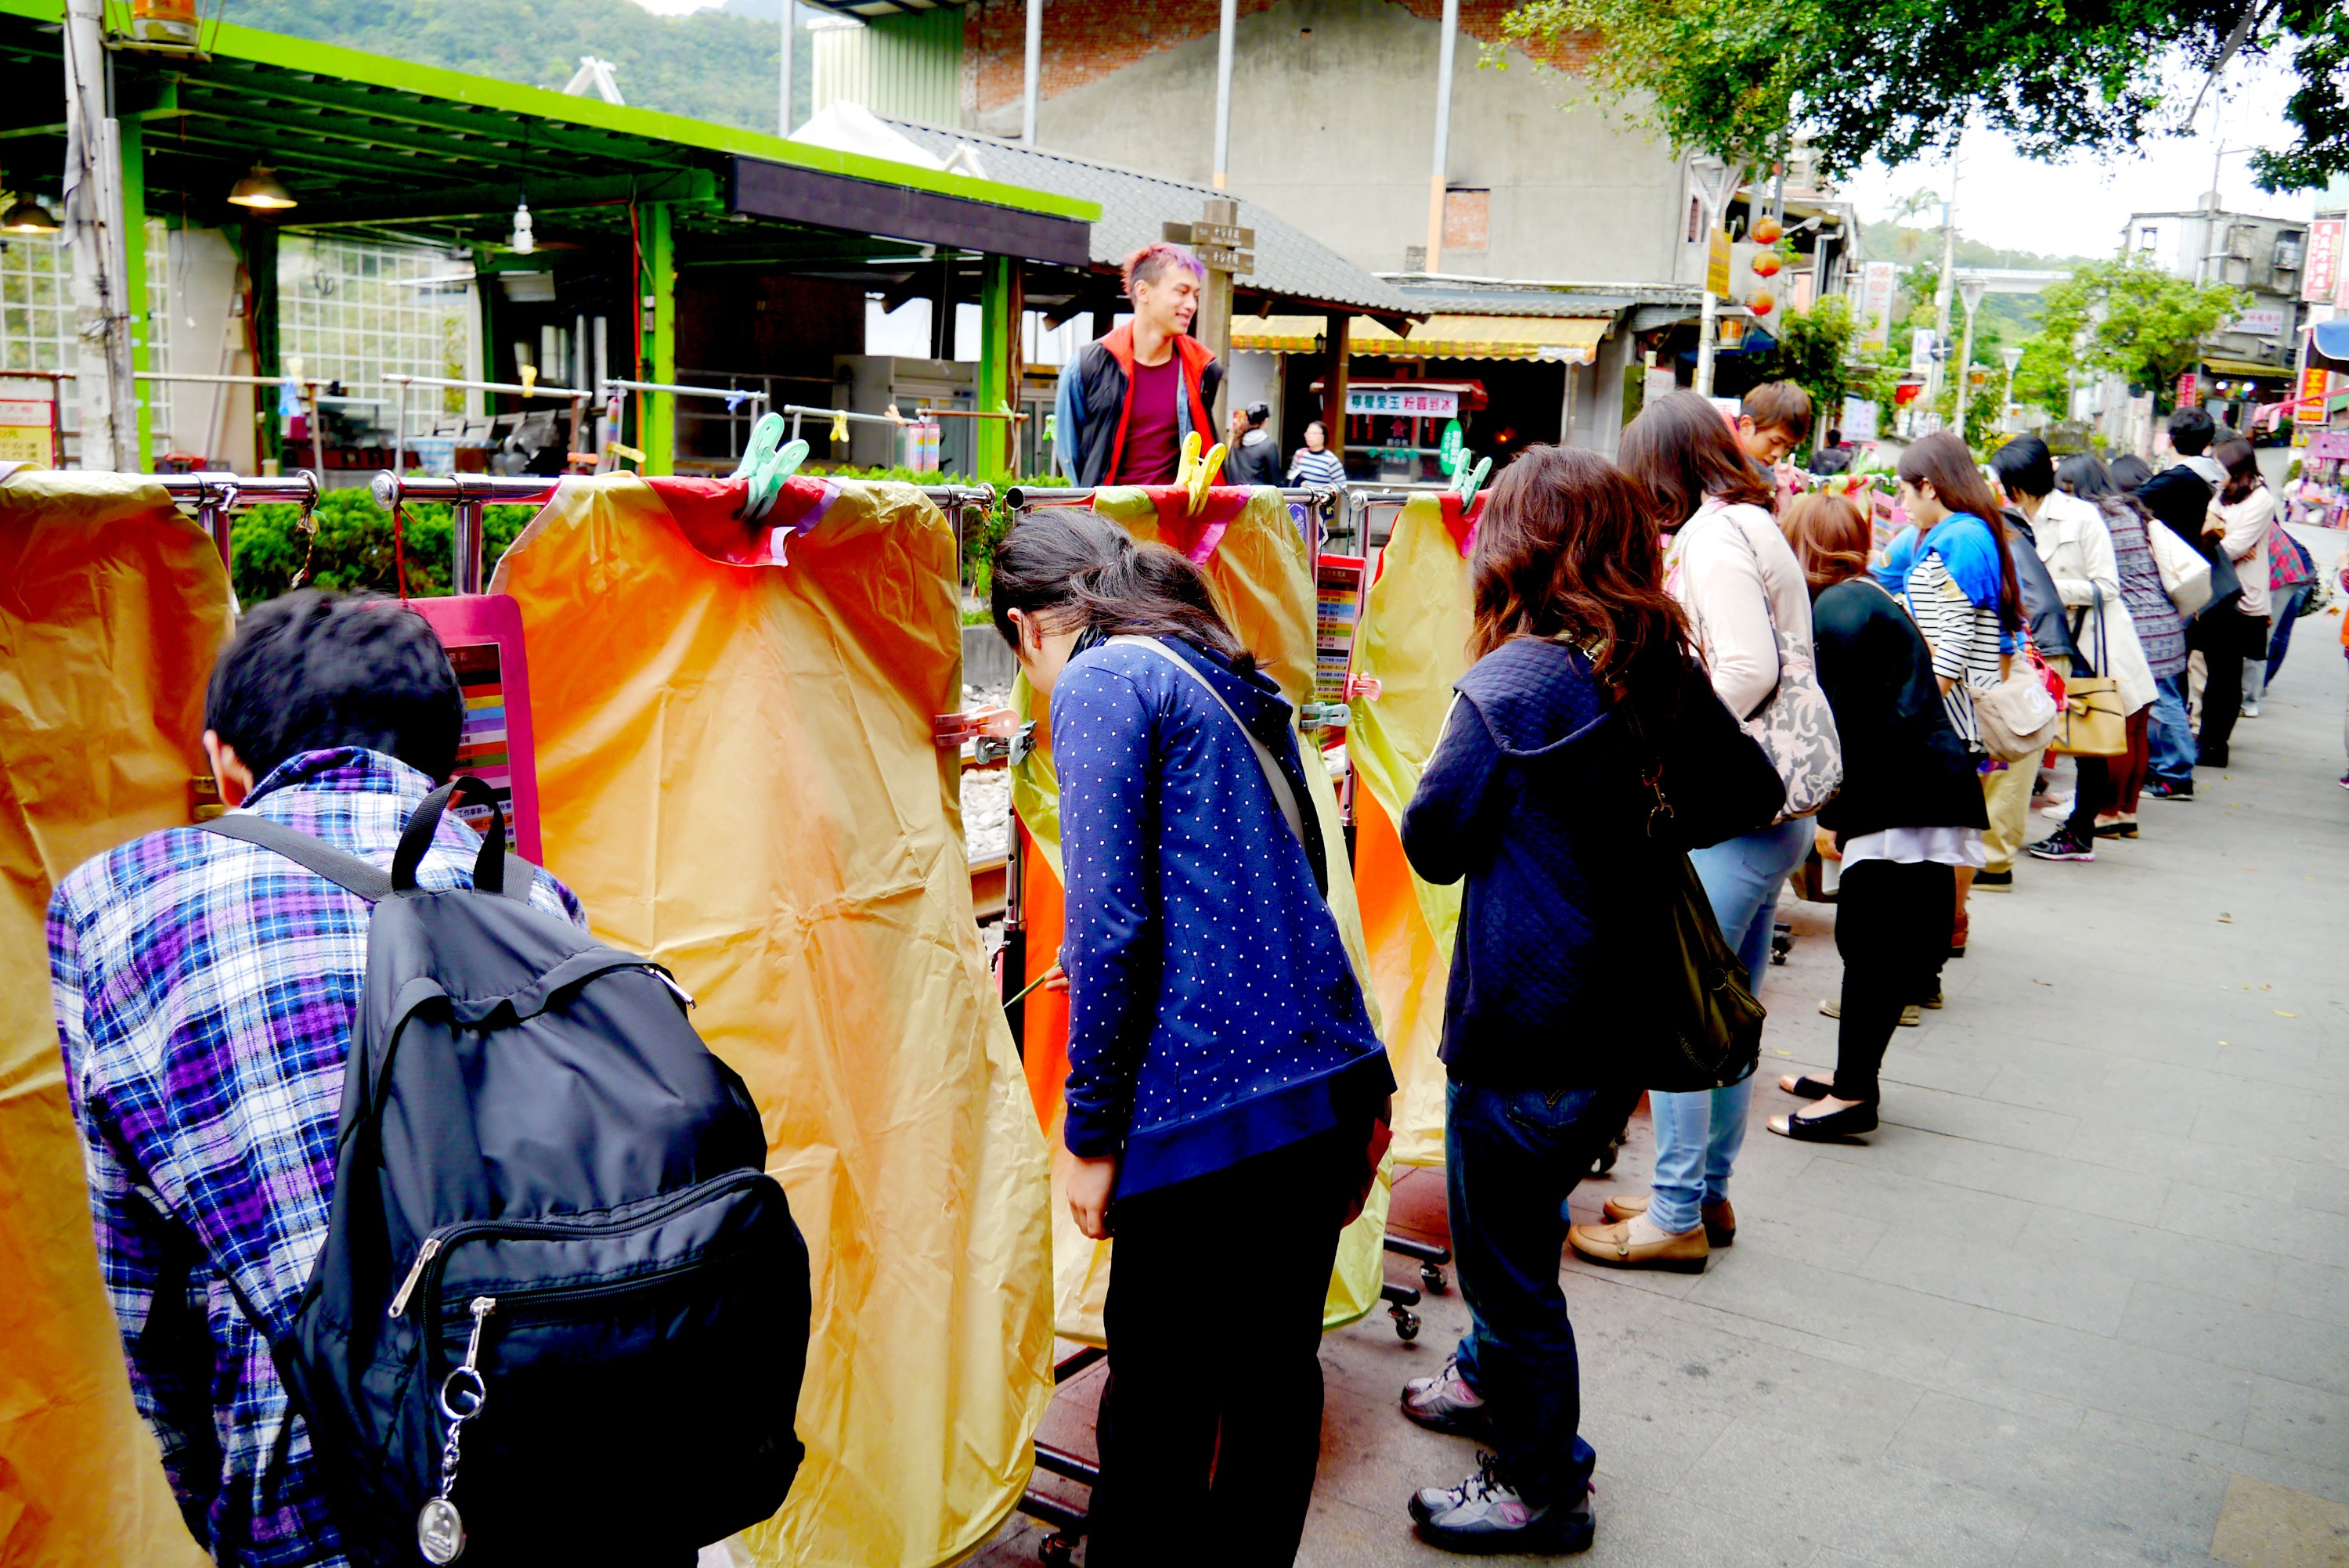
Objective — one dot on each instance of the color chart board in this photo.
(484, 635)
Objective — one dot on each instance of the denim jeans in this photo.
(1698, 1135)
(1511, 1156)
(2172, 735)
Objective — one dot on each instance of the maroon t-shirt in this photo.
(1153, 445)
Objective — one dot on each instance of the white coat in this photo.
(2072, 541)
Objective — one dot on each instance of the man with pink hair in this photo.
(1127, 400)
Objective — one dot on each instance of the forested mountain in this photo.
(717, 65)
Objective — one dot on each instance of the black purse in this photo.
(1706, 1030)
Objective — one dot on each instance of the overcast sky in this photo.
(2076, 208)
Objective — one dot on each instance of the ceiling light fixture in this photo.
(27, 216)
(525, 240)
(261, 190)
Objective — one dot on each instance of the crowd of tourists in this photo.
(1694, 669)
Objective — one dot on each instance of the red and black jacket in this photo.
(1095, 400)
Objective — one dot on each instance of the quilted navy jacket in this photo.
(1213, 1012)
(1535, 796)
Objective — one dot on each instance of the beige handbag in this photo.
(2185, 574)
(2093, 722)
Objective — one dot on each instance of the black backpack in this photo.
(562, 1310)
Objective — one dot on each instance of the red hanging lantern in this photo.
(1766, 230)
(1766, 264)
(1761, 305)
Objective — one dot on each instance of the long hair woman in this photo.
(1728, 568)
(2160, 630)
(1954, 571)
(1222, 1073)
(1907, 816)
(1582, 687)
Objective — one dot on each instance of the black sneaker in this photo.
(1485, 1514)
(2064, 844)
(2162, 788)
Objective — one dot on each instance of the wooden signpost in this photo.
(1225, 250)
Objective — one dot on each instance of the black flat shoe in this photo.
(1832, 1128)
(1809, 1087)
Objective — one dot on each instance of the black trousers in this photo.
(1892, 927)
(2226, 638)
(1210, 1428)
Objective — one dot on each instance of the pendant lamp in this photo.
(26, 216)
(524, 241)
(261, 190)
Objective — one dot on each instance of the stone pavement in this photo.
(2083, 1299)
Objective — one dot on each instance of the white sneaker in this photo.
(1446, 1403)
(1484, 1513)
(2058, 808)
(2250, 709)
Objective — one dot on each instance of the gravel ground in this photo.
(986, 794)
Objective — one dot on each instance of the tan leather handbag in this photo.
(2093, 722)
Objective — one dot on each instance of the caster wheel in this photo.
(1432, 1278)
(1406, 1324)
(1058, 1551)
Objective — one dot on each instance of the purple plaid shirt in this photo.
(205, 990)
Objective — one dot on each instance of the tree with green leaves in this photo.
(1812, 348)
(2133, 319)
(1894, 78)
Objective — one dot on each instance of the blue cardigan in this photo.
(1213, 1013)
(1534, 796)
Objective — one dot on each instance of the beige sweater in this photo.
(1732, 572)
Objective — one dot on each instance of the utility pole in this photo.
(1434, 260)
(1941, 294)
(2013, 355)
(1971, 292)
(783, 89)
(109, 417)
(1034, 78)
(1716, 183)
(1224, 94)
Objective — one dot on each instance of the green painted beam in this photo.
(231, 42)
(999, 350)
(483, 201)
(658, 435)
(134, 282)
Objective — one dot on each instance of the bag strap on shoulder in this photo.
(1282, 794)
(495, 870)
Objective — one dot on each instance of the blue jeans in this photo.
(2288, 605)
(1510, 1159)
(2171, 734)
(1698, 1135)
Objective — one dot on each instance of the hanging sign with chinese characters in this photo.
(1434, 403)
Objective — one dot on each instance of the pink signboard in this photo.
(482, 633)
(2323, 273)
(2328, 444)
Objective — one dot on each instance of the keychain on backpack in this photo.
(439, 1531)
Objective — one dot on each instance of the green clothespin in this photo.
(1468, 480)
(767, 462)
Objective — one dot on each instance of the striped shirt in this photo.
(1312, 467)
(205, 990)
(1963, 637)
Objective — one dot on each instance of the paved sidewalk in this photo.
(2081, 1300)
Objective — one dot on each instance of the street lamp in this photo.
(2013, 357)
(1971, 291)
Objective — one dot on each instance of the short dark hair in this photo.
(1258, 413)
(307, 671)
(2190, 432)
(2026, 467)
(1779, 405)
(2129, 472)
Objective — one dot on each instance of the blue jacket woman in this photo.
(1537, 796)
(1222, 1073)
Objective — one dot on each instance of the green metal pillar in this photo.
(134, 281)
(996, 443)
(261, 273)
(658, 437)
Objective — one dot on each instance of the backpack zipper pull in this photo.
(416, 1271)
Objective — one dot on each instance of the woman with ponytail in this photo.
(1223, 1072)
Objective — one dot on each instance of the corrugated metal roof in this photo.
(1289, 263)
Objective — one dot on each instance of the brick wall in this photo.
(1087, 40)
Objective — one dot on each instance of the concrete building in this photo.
(2252, 359)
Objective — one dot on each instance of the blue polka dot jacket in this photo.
(1214, 1015)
